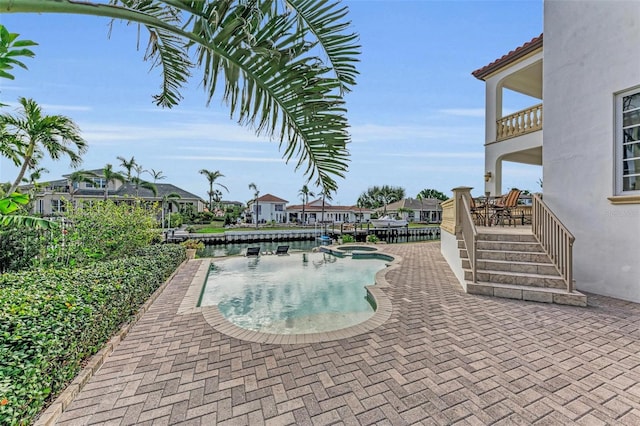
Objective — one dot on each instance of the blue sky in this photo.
(416, 115)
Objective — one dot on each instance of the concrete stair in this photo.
(515, 266)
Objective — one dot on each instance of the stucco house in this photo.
(50, 197)
(413, 210)
(313, 213)
(585, 75)
(269, 208)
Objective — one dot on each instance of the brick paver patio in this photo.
(443, 357)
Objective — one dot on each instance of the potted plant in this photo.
(192, 246)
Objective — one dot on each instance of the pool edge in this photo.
(218, 322)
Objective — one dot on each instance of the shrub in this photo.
(20, 246)
(105, 230)
(372, 238)
(193, 244)
(52, 319)
(175, 220)
(346, 238)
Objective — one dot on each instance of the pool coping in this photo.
(217, 321)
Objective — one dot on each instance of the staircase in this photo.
(514, 265)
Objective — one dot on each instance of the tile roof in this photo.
(525, 49)
(271, 198)
(414, 204)
(129, 189)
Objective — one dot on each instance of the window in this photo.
(628, 141)
(97, 183)
(279, 207)
(57, 206)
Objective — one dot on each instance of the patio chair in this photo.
(477, 211)
(253, 252)
(282, 250)
(504, 207)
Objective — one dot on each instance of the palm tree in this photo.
(33, 180)
(77, 177)
(56, 135)
(169, 199)
(325, 195)
(141, 183)
(128, 165)
(156, 175)
(420, 197)
(283, 66)
(305, 193)
(253, 187)
(212, 176)
(111, 176)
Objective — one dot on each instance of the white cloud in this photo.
(216, 158)
(439, 154)
(376, 132)
(169, 131)
(464, 112)
(58, 107)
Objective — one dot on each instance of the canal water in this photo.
(221, 250)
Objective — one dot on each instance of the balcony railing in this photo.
(520, 123)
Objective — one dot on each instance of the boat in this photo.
(388, 222)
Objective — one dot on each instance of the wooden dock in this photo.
(359, 233)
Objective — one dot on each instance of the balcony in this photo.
(519, 123)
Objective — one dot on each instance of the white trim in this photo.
(618, 138)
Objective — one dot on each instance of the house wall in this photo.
(590, 54)
(268, 212)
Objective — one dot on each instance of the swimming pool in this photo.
(296, 294)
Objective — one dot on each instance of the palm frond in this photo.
(326, 20)
(27, 221)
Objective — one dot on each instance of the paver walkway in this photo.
(444, 357)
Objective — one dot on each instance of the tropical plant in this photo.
(128, 166)
(305, 193)
(379, 196)
(78, 177)
(54, 319)
(284, 65)
(403, 212)
(212, 176)
(56, 135)
(106, 230)
(346, 238)
(325, 196)
(191, 244)
(167, 199)
(432, 193)
(256, 193)
(141, 183)
(156, 175)
(110, 176)
(10, 49)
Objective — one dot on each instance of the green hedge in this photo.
(51, 320)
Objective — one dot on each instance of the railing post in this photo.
(458, 206)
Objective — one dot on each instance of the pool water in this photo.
(296, 294)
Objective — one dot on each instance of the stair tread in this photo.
(524, 287)
(516, 262)
(518, 274)
(510, 251)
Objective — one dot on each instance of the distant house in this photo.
(427, 210)
(269, 208)
(313, 213)
(50, 197)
